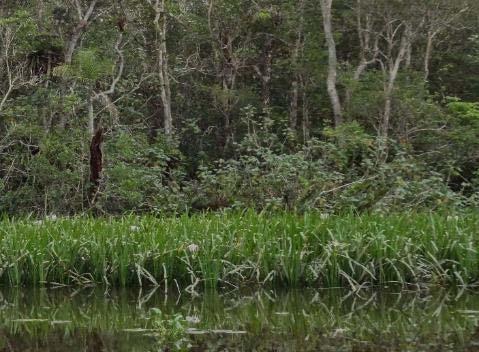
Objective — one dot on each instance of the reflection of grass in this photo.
(234, 249)
(292, 321)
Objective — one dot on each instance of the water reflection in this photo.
(327, 320)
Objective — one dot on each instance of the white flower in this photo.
(134, 228)
(324, 216)
(193, 319)
(193, 248)
(339, 332)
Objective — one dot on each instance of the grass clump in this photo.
(233, 249)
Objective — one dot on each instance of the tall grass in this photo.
(235, 249)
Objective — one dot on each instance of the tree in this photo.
(84, 19)
(439, 16)
(13, 33)
(332, 62)
(160, 23)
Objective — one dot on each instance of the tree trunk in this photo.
(293, 110)
(332, 62)
(427, 55)
(293, 106)
(305, 113)
(91, 117)
(266, 76)
(408, 56)
(78, 32)
(163, 71)
(264, 73)
(96, 162)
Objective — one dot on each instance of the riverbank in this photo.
(233, 250)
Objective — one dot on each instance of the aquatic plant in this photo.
(170, 332)
(236, 249)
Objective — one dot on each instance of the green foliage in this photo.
(47, 173)
(342, 173)
(170, 331)
(18, 30)
(467, 112)
(141, 176)
(88, 66)
(241, 137)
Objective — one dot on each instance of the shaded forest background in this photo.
(171, 106)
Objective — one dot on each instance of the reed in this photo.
(237, 249)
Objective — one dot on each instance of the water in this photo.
(296, 320)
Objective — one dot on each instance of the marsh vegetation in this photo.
(231, 250)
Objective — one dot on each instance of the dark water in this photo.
(326, 320)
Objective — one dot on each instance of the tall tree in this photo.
(160, 23)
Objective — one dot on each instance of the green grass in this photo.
(242, 249)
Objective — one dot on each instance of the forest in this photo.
(168, 107)
(239, 175)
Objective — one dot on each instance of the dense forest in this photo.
(159, 106)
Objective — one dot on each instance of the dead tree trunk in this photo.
(96, 162)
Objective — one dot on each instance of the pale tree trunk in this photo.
(408, 56)
(91, 117)
(79, 29)
(11, 82)
(428, 53)
(163, 71)
(332, 62)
